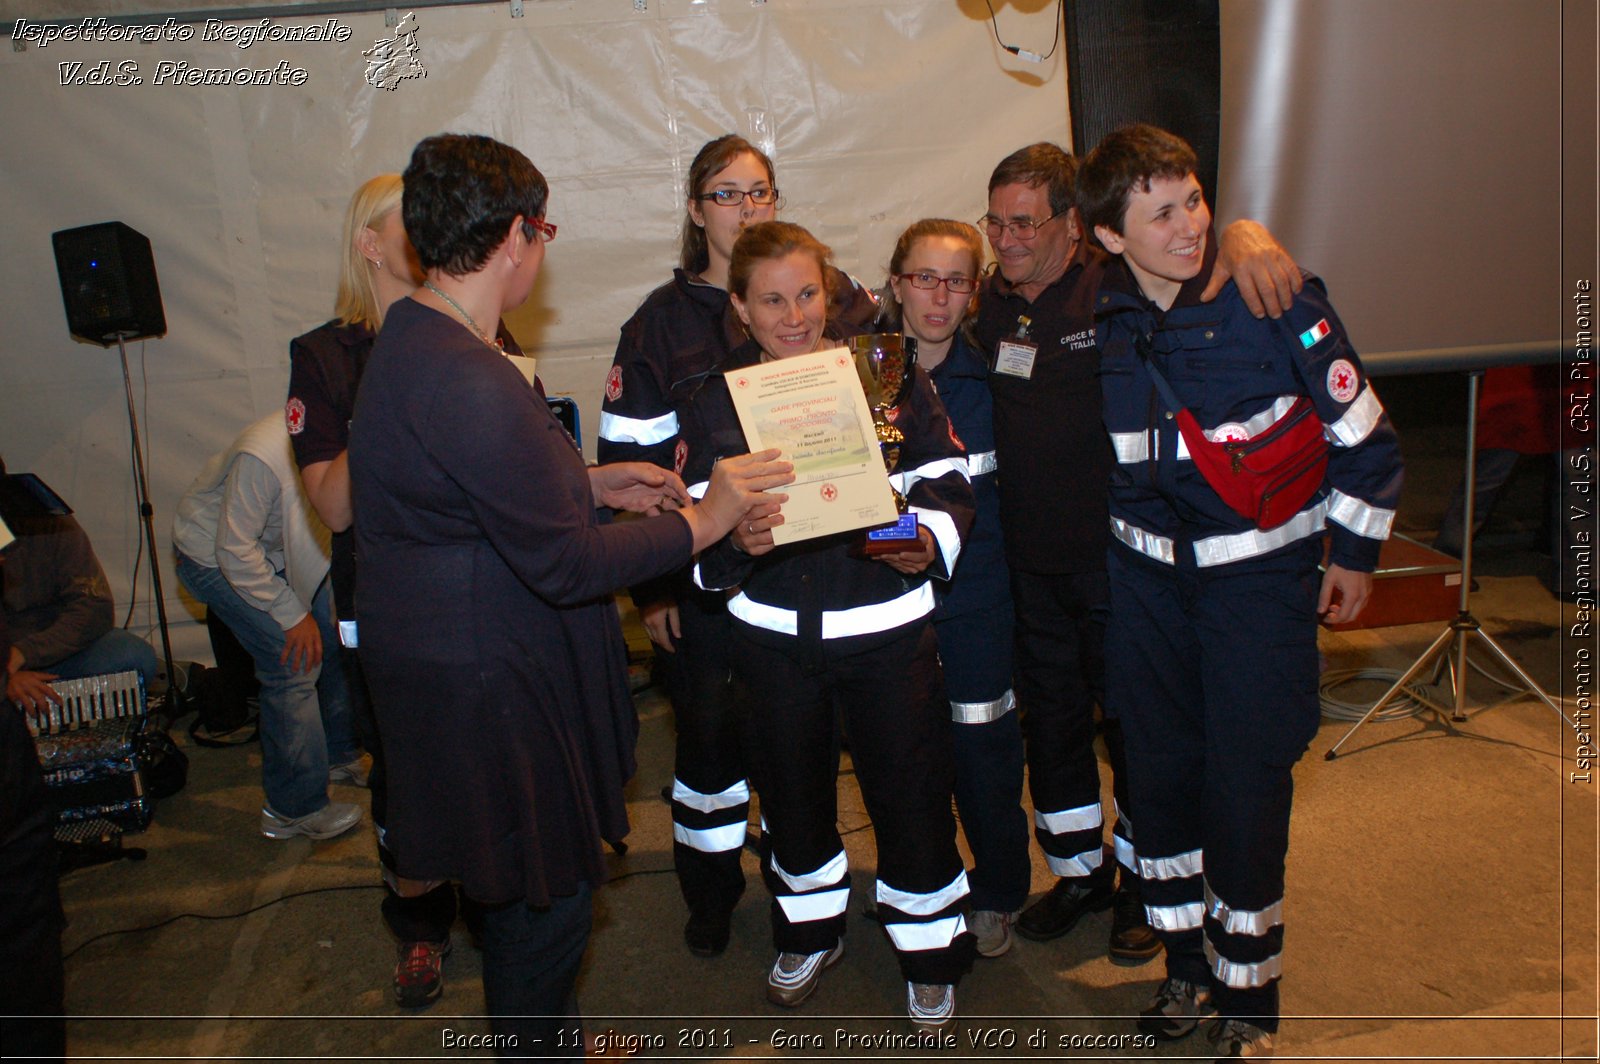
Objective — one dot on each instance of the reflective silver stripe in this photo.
(1176, 917)
(1062, 821)
(748, 610)
(1122, 843)
(1242, 976)
(700, 583)
(1178, 866)
(804, 907)
(1258, 423)
(943, 527)
(826, 876)
(1220, 550)
(906, 479)
(619, 429)
(880, 616)
(1360, 418)
(738, 794)
(348, 637)
(983, 712)
(836, 624)
(935, 934)
(1373, 522)
(981, 463)
(1075, 867)
(1243, 921)
(698, 490)
(923, 904)
(1131, 447)
(1157, 547)
(710, 840)
(1124, 851)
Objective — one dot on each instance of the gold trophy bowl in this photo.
(884, 362)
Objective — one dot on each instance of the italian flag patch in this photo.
(1319, 331)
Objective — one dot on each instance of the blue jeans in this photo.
(305, 716)
(117, 651)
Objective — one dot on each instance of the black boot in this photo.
(1133, 940)
(706, 934)
(1060, 910)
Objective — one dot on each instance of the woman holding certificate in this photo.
(818, 625)
(682, 331)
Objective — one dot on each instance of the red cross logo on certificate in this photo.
(829, 493)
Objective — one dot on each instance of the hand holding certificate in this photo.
(813, 408)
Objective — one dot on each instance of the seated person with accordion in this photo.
(58, 606)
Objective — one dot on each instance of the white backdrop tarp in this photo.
(876, 113)
(1409, 151)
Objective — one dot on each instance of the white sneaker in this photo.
(335, 818)
(1235, 1038)
(992, 930)
(795, 975)
(354, 773)
(1177, 1009)
(932, 1006)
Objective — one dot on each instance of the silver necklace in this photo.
(459, 309)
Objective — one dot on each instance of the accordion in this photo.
(89, 750)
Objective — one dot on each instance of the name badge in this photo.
(1015, 358)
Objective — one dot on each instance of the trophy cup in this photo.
(884, 362)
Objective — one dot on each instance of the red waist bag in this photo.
(1266, 479)
(1270, 477)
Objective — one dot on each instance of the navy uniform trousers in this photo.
(710, 793)
(986, 738)
(1060, 677)
(887, 688)
(1214, 674)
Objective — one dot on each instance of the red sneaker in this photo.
(419, 974)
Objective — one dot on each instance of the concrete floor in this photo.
(1441, 904)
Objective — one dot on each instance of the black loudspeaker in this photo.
(108, 283)
(1155, 61)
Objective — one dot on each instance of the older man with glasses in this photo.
(1036, 322)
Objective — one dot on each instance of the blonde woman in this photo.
(377, 268)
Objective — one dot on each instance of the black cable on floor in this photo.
(223, 916)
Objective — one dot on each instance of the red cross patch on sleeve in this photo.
(1343, 381)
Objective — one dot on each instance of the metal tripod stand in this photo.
(1449, 650)
(177, 702)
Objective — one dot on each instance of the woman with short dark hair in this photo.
(488, 632)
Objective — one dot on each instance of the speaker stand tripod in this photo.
(177, 701)
(1449, 650)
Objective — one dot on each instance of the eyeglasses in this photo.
(732, 197)
(1024, 229)
(958, 285)
(546, 231)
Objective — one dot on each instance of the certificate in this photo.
(813, 409)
